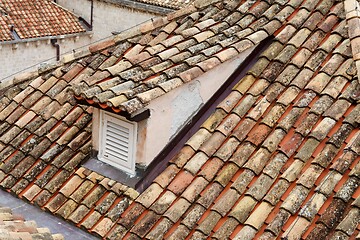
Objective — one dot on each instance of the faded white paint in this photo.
(186, 103)
(170, 112)
(107, 17)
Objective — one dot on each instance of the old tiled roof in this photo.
(167, 3)
(36, 18)
(44, 137)
(14, 227)
(167, 52)
(279, 157)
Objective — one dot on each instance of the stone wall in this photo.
(27, 55)
(107, 17)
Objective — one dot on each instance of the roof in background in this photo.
(36, 18)
(14, 227)
(278, 157)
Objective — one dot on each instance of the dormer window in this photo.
(117, 142)
(139, 133)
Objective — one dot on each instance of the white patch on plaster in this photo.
(185, 105)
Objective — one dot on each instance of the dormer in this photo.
(132, 127)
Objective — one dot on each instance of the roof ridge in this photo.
(205, 3)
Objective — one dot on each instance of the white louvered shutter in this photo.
(118, 139)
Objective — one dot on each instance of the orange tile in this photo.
(258, 134)
(180, 182)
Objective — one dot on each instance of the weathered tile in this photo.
(210, 194)
(79, 214)
(196, 162)
(286, 53)
(193, 216)
(227, 149)
(194, 189)
(243, 208)
(180, 233)
(228, 124)
(328, 184)
(257, 218)
(293, 171)
(288, 96)
(272, 71)
(296, 197)
(67, 209)
(180, 182)
(207, 225)
(258, 87)
(56, 203)
(212, 144)
(337, 109)
(117, 232)
(347, 189)
(227, 54)
(242, 154)
(133, 213)
(229, 102)
(258, 161)
(160, 230)
(83, 189)
(289, 120)
(308, 178)
(177, 210)
(301, 57)
(260, 187)
(272, 117)
(323, 128)
(244, 84)
(148, 197)
(258, 134)
(286, 33)
(145, 224)
(281, 218)
(298, 229)
(276, 163)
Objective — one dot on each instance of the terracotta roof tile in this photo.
(277, 158)
(243, 208)
(15, 227)
(48, 20)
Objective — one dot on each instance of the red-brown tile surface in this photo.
(36, 18)
(279, 157)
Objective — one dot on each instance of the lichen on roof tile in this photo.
(277, 158)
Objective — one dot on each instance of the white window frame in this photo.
(128, 166)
